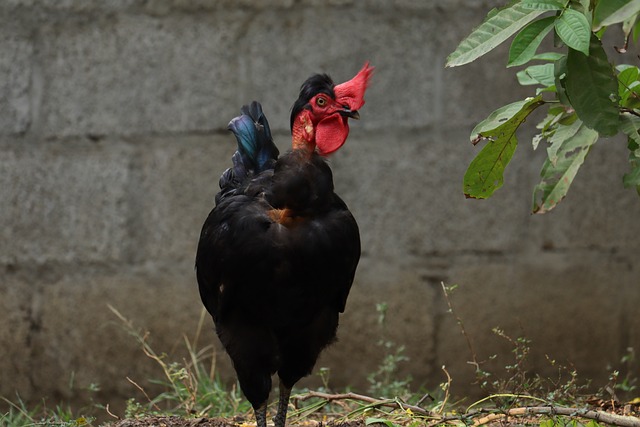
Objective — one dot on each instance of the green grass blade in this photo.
(525, 44)
(591, 85)
(574, 30)
(557, 178)
(377, 420)
(502, 395)
(486, 172)
(495, 29)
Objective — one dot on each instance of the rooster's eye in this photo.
(321, 102)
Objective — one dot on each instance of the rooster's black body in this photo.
(276, 259)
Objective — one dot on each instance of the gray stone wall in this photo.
(112, 139)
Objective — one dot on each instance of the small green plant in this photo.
(558, 421)
(517, 382)
(585, 95)
(625, 381)
(19, 415)
(384, 381)
(191, 387)
(324, 373)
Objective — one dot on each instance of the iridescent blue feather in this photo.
(256, 151)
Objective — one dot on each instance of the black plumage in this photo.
(276, 257)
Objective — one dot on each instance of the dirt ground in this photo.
(626, 415)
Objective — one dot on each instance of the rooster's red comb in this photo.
(352, 91)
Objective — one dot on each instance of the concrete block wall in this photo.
(112, 139)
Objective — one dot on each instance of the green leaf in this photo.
(496, 28)
(613, 11)
(549, 125)
(543, 4)
(525, 79)
(628, 25)
(560, 76)
(557, 178)
(485, 173)
(590, 85)
(631, 98)
(548, 56)
(554, 115)
(636, 31)
(582, 6)
(526, 43)
(625, 78)
(496, 119)
(561, 134)
(630, 125)
(574, 30)
(632, 178)
(537, 74)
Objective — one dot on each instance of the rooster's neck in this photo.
(303, 133)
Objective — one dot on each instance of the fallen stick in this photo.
(390, 403)
(600, 416)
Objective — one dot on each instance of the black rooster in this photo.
(278, 253)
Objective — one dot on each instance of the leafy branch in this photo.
(586, 97)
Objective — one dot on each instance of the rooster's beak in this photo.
(350, 113)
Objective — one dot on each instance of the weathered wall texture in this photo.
(112, 139)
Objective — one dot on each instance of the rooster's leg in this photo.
(261, 415)
(283, 405)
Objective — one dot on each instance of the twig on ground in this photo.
(143, 392)
(489, 414)
(425, 397)
(111, 413)
(439, 409)
(503, 395)
(472, 418)
(390, 403)
(600, 416)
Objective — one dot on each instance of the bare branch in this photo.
(600, 416)
(447, 390)
(111, 413)
(143, 392)
(474, 362)
(390, 403)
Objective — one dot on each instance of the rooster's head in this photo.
(319, 118)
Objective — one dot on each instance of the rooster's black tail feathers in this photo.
(256, 150)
